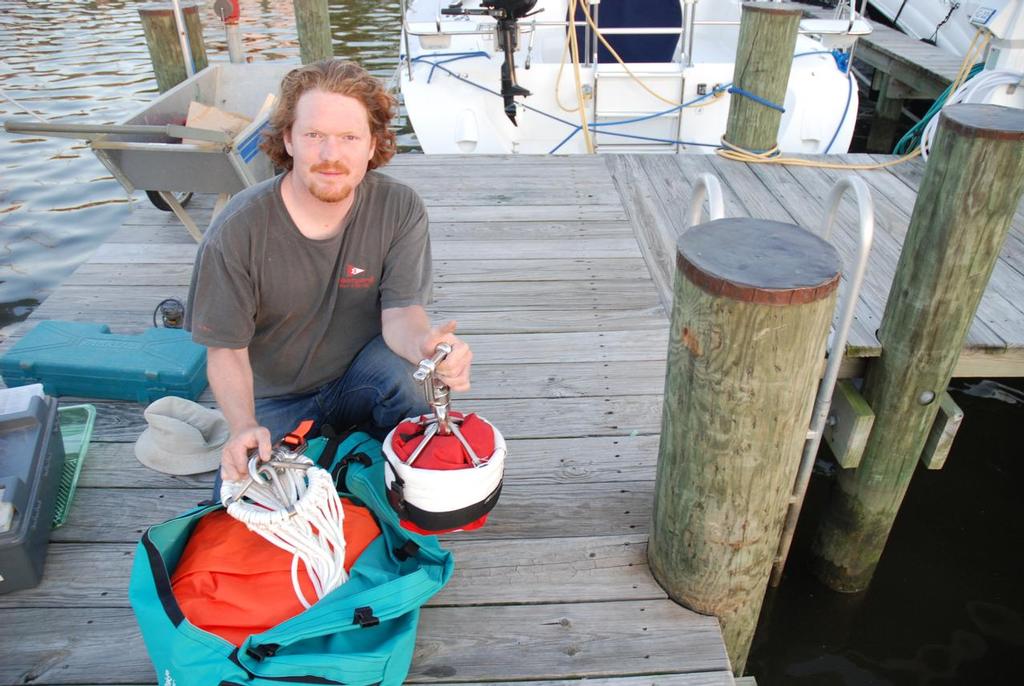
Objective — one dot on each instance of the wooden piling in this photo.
(764, 56)
(165, 47)
(752, 304)
(967, 199)
(313, 23)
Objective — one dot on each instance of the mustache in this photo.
(331, 167)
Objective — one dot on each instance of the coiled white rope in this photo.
(976, 90)
(294, 505)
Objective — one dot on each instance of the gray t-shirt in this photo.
(305, 308)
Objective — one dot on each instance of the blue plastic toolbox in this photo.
(83, 359)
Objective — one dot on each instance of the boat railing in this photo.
(527, 27)
(440, 28)
(835, 33)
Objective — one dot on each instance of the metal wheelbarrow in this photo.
(146, 152)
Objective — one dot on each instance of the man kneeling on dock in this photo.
(309, 289)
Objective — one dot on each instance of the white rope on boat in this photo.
(294, 505)
(977, 90)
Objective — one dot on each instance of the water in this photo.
(57, 202)
(945, 607)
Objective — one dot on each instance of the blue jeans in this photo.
(374, 394)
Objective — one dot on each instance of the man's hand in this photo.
(454, 370)
(407, 331)
(234, 460)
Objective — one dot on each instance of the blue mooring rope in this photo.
(756, 98)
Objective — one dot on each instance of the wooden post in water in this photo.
(967, 199)
(764, 56)
(314, 27)
(888, 110)
(752, 304)
(164, 46)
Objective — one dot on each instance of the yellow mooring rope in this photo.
(738, 154)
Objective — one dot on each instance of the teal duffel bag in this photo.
(363, 632)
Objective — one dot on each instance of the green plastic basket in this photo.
(76, 429)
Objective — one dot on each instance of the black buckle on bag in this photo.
(361, 458)
(262, 652)
(364, 617)
(334, 439)
(396, 499)
(341, 469)
(406, 551)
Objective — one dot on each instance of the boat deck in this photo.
(558, 272)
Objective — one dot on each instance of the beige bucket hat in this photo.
(182, 437)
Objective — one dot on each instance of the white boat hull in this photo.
(455, 107)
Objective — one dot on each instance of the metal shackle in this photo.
(436, 392)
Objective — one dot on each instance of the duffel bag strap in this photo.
(336, 613)
(334, 439)
(350, 443)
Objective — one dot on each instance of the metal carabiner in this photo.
(437, 393)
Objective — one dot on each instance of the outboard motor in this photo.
(507, 13)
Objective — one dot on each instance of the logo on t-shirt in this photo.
(355, 277)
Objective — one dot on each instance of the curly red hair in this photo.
(332, 76)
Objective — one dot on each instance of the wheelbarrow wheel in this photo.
(158, 202)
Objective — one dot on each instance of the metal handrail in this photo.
(529, 26)
(405, 39)
(707, 188)
(605, 31)
(823, 400)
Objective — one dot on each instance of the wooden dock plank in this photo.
(519, 417)
(144, 273)
(579, 640)
(565, 461)
(535, 295)
(123, 321)
(466, 190)
(54, 646)
(551, 570)
(480, 294)
(466, 249)
(532, 511)
(545, 380)
(647, 215)
(699, 679)
(584, 346)
(723, 678)
(695, 679)
(501, 230)
(562, 211)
